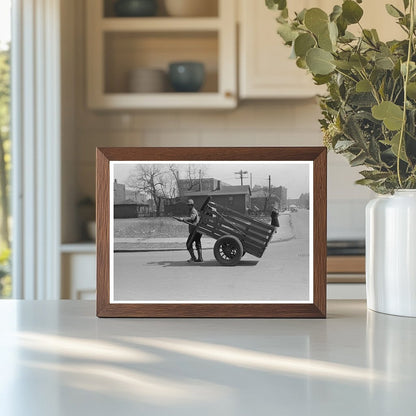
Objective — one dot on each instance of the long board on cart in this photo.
(236, 233)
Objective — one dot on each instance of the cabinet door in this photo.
(265, 68)
(78, 276)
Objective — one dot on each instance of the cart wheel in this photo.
(228, 250)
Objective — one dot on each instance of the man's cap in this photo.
(190, 202)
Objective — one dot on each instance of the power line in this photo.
(241, 174)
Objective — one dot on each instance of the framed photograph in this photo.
(211, 232)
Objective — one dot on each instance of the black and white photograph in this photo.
(211, 232)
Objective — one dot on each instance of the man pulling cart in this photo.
(235, 233)
(194, 235)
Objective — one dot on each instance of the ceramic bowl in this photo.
(135, 8)
(147, 80)
(186, 76)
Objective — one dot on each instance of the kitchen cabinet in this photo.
(78, 280)
(265, 70)
(118, 45)
(346, 277)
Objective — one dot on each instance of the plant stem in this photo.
(373, 88)
(346, 75)
(405, 81)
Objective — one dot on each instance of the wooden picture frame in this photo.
(269, 157)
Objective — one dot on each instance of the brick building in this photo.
(119, 192)
(233, 197)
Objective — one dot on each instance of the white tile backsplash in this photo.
(253, 123)
(346, 219)
(258, 123)
(170, 138)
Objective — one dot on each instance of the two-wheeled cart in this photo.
(236, 233)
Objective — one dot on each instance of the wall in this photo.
(254, 123)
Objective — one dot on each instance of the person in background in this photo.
(275, 218)
(194, 236)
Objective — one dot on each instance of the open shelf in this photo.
(127, 51)
(160, 24)
(167, 100)
(119, 45)
(80, 247)
(210, 9)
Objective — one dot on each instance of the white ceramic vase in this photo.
(391, 253)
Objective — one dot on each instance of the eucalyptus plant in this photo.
(369, 111)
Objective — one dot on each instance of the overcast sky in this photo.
(293, 176)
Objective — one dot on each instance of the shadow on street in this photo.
(209, 263)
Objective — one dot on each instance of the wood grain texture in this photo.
(345, 278)
(212, 310)
(319, 230)
(346, 264)
(103, 231)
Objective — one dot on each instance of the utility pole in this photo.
(241, 174)
(200, 180)
(270, 186)
(251, 181)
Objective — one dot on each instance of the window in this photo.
(5, 145)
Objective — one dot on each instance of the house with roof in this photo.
(119, 192)
(130, 208)
(201, 185)
(233, 197)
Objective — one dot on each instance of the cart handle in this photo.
(181, 220)
(206, 202)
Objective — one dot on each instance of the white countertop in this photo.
(57, 358)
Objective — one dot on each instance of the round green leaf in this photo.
(303, 43)
(375, 35)
(363, 86)
(344, 65)
(395, 144)
(319, 61)
(358, 61)
(322, 79)
(384, 62)
(391, 114)
(327, 39)
(342, 25)
(325, 42)
(333, 32)
(276, 4)
(287, 33)
(301, 63)
(393, 11)
(336, 12)
(351, 11)
(301, 15)
(411, 90)
(316, 20)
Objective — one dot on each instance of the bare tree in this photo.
(195, 174)
(155, 181)
(174, 171)
(189, 177)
